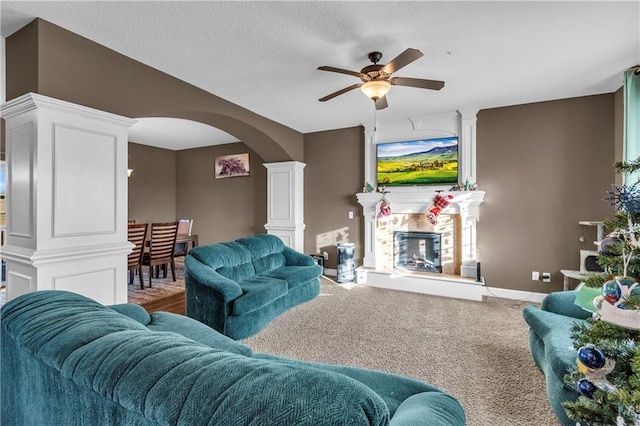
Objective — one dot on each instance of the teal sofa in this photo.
(551, 345)
(239, 287)
(68, 360)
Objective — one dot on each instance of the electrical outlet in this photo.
(325, 255)
(546, 277)
(350, 214)
(535, 276)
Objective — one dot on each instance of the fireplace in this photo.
(417, 251)
(456, 224)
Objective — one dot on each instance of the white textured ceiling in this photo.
(264, 55)
(176, 133)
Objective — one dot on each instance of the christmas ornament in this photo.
(613, 309)
(598, 301)
(593, 363)
(606, 243)
(611, 291)
(625, 197)
(591, 356)
(439, 203)
(586, 388)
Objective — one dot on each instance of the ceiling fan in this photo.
(377, 80)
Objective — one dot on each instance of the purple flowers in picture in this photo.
(232, 165)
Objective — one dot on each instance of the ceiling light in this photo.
(375, 89)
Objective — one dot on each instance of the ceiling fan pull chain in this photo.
(375, 122)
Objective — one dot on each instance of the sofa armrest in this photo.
(295, 258)
(429, 408)
(133, 311)
(206, 276)
(562, 303)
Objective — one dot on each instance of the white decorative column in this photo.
(66, 199)
(369, 255)
(285, 202)
(467, 146)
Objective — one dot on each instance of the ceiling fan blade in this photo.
(402, 60)
(340, 70)
(417, 82)
(340, 92)
(381, 103)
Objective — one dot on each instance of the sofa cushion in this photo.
(237, 273)
(266, 252)
(443, 410)
(261, 245)
(258, 291)
(269, 262)
(295, 275)
(188, 327)
(230, 259)
(133, 311)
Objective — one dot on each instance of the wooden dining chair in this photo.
(184, 226)
(184, 229)
(138, 237)
(162, 242)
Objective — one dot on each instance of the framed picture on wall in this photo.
(234, 165)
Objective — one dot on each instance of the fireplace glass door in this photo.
(417, 251)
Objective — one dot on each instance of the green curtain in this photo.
(632, 120)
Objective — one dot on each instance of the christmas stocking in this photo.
(439, 203)
(384, 208)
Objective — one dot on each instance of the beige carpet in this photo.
(476, 351)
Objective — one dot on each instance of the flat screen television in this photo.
(419, 162)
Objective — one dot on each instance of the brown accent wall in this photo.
(333, 175)
(152, 187)
(49, 60)
(545, 166)
(21, 51)
(222, 209)
(168, 185)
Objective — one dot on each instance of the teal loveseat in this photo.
(68, 360)
(551, 345)
(239, 287)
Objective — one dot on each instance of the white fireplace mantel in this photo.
(464, 203)
(418, 201)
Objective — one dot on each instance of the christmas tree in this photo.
(607, 374)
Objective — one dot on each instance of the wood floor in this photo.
(164, 295)
(174, 303)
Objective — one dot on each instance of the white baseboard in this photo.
(505, 293)
(474, 292)
(331, 272)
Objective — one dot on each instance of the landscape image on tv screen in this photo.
(419, 162)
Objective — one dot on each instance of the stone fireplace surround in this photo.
(410, 203)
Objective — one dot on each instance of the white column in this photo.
(369, 255)
(467, 146)
(285, 202)
(370, 156)
(66, 199)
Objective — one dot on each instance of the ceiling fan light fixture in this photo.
(375, 89)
